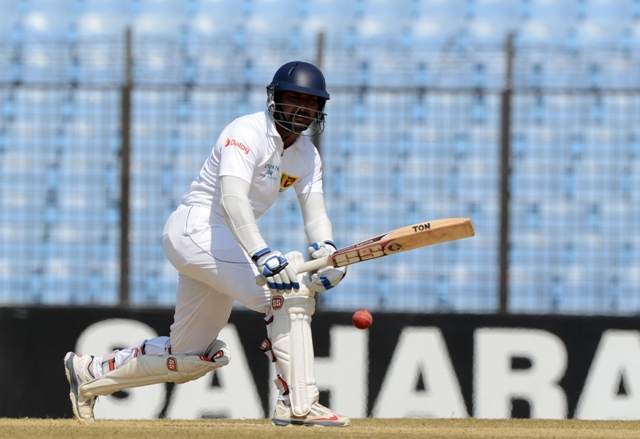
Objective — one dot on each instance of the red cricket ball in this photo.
(362, 319)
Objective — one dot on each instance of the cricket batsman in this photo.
(213, 240)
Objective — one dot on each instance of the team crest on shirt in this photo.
(286, 181)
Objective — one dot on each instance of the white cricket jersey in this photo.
(250, 148)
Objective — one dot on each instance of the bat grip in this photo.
(312, 265)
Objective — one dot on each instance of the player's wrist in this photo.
(260, 253)
(332, 244)
(270, 262)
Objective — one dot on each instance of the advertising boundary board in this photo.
(404, 365)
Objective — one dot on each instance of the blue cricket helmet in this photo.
(300, 77)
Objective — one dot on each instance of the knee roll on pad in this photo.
(153, 369)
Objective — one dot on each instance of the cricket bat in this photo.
(397, 241)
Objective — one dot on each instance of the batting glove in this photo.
(280, 276)
(329, 277)
(319, 250)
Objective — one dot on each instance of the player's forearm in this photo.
(317, 225)
(239, 215)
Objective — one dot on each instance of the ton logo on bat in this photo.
(421, 227)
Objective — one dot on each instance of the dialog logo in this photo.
(241, 146)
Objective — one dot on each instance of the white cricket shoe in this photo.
(77, 368)
(318, 416)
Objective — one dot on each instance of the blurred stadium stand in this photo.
(413, 134)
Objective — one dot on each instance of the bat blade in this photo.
(397, 241)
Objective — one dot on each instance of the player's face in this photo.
(300, 108)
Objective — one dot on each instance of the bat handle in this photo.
(312, 265)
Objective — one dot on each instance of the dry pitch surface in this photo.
(360, 428)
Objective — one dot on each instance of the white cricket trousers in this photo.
(214, 271)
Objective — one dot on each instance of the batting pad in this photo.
(292, 346)
(153, 369)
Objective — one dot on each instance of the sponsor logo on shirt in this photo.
(286, 181)
(269, 170)
(240, 145)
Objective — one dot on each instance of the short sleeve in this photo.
(239, 152)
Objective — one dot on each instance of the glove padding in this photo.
(322, 249)
(329, 277)
(279, 274)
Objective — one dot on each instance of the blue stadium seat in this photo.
(96, 17)
(382, 19)
(330, 15)
(11, 12)
(89, 66)
(629, 283)
(40, 63)
(526, 292)
(274, 16)
(79, 276)
(541, 31)
(7, 66)
(505, 11)
(173, 8)
(223, 15)
(630, 180)
(550, 11)
(99, 7)
(43, 17)
(159, 63)
(614, 12)
(490, 30)
(157, 24)
(450, 13)
(15, 166)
